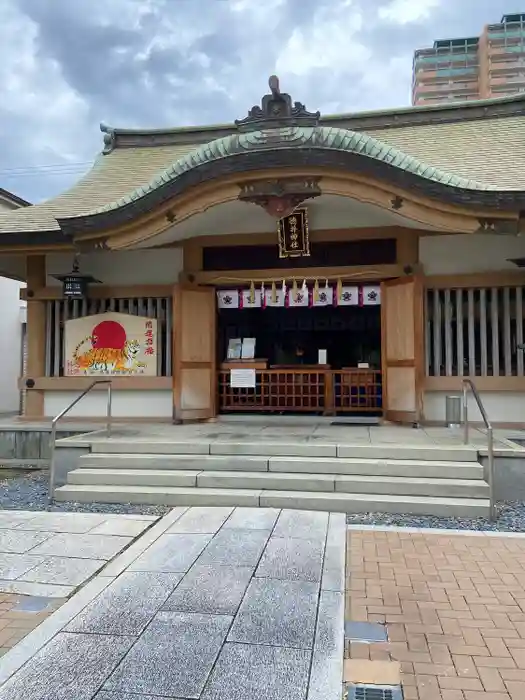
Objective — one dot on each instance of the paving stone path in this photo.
(210, 603)
(52, 554)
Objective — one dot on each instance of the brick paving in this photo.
(454, 607)
(16, 624)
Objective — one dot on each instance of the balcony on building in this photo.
(514, 80)
(452, 51)
(501, 49)
(503, 68)
(507, 37)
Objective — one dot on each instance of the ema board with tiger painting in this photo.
(111, 344)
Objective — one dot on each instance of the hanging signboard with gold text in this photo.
(294, 238)
(111, 344)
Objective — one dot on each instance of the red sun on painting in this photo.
(109, 335)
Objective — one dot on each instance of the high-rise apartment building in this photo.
(472, 68)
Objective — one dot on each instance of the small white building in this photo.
(12, 324)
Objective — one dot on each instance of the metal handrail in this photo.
(53, 435)
(469, 384)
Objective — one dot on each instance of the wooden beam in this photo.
(357, 273)
(36, 250)
(316, 236)
(502, 278)
(192, 254)
(104, 292)
(408, 246)
(506, 384)
(118, 383)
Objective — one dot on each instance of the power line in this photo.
(55, 167)
(61, 173)
(52, 165)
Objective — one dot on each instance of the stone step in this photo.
(429, 469)
(173, 461)
(448, 488)
(133, 477)
(303, 500)
(271, 447)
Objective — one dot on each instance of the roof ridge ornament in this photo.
(277, 111)
(109, 138)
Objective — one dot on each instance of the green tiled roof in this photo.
(478, 153)
(316, 137)
(491, 151)
(111, 177)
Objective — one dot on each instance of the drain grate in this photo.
(367, 422)
(374, 692)
(33, 604)
(365, 632)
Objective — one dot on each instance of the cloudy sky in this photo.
(67, 65)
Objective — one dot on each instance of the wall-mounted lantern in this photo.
(75, 284)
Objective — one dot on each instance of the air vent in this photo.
(374, 692)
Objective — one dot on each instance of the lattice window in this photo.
(58, 312)
(297, 391)
(474, 332)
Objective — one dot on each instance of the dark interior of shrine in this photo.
(293, 336)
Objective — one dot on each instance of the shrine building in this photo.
(289, 263)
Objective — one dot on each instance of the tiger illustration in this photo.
(108, 359)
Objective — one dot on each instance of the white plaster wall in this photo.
(125, 404)
(466, 253)
(122, 268)
(12, 315)
(501, 406)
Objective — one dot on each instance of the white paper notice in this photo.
(363, 365)
(248, 348)
(234, 349)
(242, 378)
(322, 357)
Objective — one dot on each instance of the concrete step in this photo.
(270, 447)
(428, 469)
(402, 486)
(305, 500)
(173, 461)
(448, 488)
(133, 477)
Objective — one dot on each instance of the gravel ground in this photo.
(29, 492)
(511, 518)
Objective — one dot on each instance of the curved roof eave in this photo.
(295, 147)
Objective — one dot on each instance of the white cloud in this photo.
(65, 66)
(331, 42)
(34, 93)
(407, 11)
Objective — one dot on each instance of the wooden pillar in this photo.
(408, 248)
(329, 397)
(36, 335)
(194, 353)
